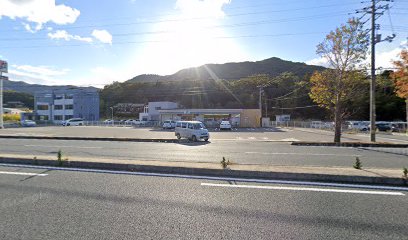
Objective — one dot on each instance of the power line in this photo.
(164, 41)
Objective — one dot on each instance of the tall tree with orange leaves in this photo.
(401, 78)
(344, 49)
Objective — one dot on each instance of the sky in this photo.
(94, 43)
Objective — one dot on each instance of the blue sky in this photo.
(97, 42)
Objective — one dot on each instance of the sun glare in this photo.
(188, 41)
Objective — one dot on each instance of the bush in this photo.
(11, 117)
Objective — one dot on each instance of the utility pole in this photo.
(375, 38)
(372, 83)
(1, 100)
(260, 99)
(3, 68)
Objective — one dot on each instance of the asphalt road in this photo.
(242, 151)
(81, 205)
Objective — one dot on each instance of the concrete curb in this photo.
(112, 139)
(350, 144)
(316, 177)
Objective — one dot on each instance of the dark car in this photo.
(383, 127)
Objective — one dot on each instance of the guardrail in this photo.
(329, 126)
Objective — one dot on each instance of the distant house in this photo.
(60, 105)
(151, 111)
(14, 104)
(13, 111)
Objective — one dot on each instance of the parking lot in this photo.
(238, 134)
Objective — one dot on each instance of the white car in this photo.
(192, 130)
(73, 122)
(132, 122)
(108, 121)
(28, 123)
(225, 125)
(169, 124)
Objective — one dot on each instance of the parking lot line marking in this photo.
(305, 154)
(44, 146)
(305, 189)
(24, 174)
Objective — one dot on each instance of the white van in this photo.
(169, 124)
(73, 122)
(193, 130)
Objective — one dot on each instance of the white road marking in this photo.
(304, 189)
(24, 174)
(44, 146)
(305, 154)
(252, 180)
(290, 140)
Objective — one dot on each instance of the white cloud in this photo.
(62, 34)
(103, 36)
(202, 8)
(36, 74)
(38, 12)
(384, 58)
(318, 61)
(41, 70)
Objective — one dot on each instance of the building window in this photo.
(43, 118)
(58, 117)
(158, 108)
(69, 96)
(58, 97)
(42, 107)
(58, 107)
(68, 117)
(69, 107)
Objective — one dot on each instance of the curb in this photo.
(93, 139)
(350, 144)
(314, 177)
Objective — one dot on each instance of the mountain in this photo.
(232, 71)
(20, 86)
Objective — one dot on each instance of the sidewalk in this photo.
(318, 174)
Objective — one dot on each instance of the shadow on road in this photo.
(193, 144)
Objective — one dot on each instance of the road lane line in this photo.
(251, 180)
(304, 189)
(24, 174)
(305, 154)
(62, 146)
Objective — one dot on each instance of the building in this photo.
(213, 117)
(151, 111)
(61, 105)
(12, 111)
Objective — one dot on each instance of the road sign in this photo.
(3, 66)
(4, 78)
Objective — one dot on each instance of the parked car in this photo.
(225, 125)
(28, 123)
(132, 122)
(73, 122)
(108, 121)
(399, 127)
(169, 124)
(383, 127)
(192, 130)
(358, 125)
(316, 124)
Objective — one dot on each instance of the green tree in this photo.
(344, 50)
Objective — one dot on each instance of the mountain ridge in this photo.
(232, 70)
